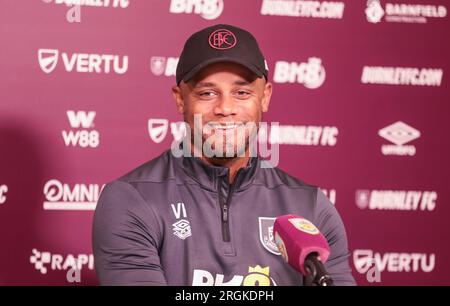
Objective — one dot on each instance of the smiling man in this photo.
(205, 216)
(229, 99)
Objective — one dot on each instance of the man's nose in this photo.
(226, 106)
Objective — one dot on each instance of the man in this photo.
(206, 217)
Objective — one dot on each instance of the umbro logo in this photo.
(399, 134)
(181, 228)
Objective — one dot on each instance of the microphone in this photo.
(303, 247)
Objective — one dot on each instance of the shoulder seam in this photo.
(286, 185)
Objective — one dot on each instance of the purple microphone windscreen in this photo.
(296, 238)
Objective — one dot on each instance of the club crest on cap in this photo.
(222, 39)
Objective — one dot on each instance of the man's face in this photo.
(229, 99)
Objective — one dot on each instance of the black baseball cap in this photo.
(220, 43)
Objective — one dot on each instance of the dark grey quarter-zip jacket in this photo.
(178, 221)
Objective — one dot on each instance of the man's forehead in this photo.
(237, 75)
(201, 84)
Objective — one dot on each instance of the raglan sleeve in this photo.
(328, 220)
(125, 238)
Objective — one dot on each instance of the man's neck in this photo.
(232, 163)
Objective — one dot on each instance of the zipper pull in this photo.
(225, 213)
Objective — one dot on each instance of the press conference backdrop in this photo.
(361, 95)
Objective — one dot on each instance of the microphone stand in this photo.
(317, 275)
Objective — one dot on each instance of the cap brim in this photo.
(188, 76)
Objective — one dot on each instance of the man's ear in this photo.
(178, 97)
(266, 97)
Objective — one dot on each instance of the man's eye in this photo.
(206, 94)
(242, 93)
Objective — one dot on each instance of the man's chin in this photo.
(225, 153)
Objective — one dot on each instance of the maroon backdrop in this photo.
(360, 93)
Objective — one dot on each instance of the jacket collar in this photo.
(211, 177)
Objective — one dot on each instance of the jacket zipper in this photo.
(225, 208)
